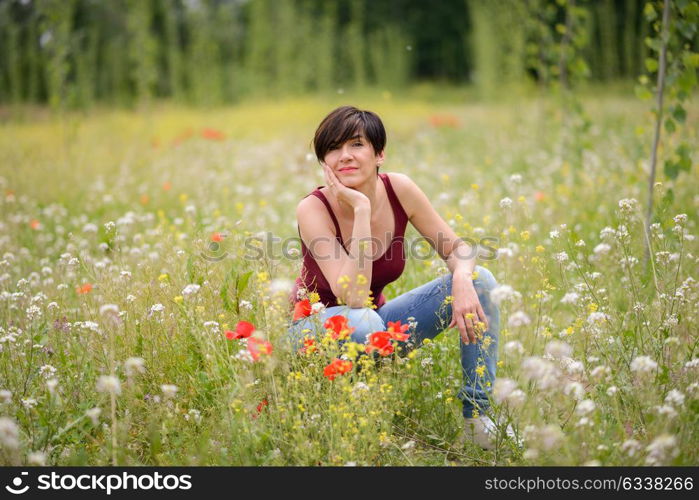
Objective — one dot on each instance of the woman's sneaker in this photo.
(483, 432)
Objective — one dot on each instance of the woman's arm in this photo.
(349, 275)
(459, 256)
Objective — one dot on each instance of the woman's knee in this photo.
(365, 321)
(485, 281)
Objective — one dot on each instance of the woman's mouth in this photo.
(348, 169)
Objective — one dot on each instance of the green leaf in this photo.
(242, 282)
(651, 65)
(679, 114)
(687, 80)
(684, 153)
(671, 169)
(670, 125)
(649, 12)
(653, 43)
(669, 197)
(643, 93)
(690, 59)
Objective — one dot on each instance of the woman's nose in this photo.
(345, 153)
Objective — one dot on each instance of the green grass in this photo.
(166, 189)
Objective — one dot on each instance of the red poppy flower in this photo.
(380, 342)
(167, 186)
(302, 309)
(242, 331)
(337, 367)
(397, 331)
(309, 346)
(35, 224)
(263, 404)
(339, 327)
(217, 237)
(212, 134)
(83, 289)
(257, 347)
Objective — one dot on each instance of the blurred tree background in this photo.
(76, 53)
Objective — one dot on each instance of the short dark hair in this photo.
(344, 123)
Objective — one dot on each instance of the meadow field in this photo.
(132, 243)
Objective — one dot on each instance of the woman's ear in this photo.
(380, 158)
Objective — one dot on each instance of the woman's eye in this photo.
(358, 143)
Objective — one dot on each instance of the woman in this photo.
(352, 233)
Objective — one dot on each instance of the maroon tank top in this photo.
(385, 269)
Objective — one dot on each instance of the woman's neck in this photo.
(370, 189)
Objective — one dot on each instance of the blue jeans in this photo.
(427, 306)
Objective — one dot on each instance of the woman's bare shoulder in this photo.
(404, 188)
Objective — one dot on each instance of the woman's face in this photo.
(354, 161)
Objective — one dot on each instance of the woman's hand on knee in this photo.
(466, 309)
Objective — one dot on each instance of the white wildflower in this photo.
(519, 318)
(558, 349)
(561, 257)
(627, 205)
(666, 411)
(47, 371)
(503, 293)
(550, 436)
(601, 249)
(29, 403)
(109, 309)
(600, 372)
(36, 458)
(505, 203)
(570, 298)
(502, 388)
(156, 308)
(94, 414)
(643, 364)
(574, 390)
(611, 390)
(5, 396)
(190, 289)
(169, 390)
(662, 449)
(674, 397)
(134, 365)
(9, 434)
(680, 218)
(631, 447)
(109, 384)
(514, 347)
(585, 407)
